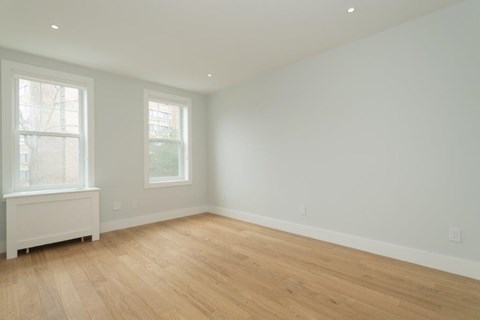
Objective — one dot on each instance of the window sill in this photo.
(47, 192)
(163, 184)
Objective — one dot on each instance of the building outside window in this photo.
(167, 141)
(48, 117)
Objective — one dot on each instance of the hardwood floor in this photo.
(210, 267)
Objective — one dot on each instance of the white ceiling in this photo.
(178, 42)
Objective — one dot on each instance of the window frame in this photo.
(11, 72)
(185, 165)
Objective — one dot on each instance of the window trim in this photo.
(186, 104)
(10, 71)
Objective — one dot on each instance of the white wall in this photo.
(119, 144)
(379, 138)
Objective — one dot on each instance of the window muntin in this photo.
(167, 143)
(25, 122)
(48, 135)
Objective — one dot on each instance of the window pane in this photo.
(48, 160)
(48, 107)
(164, 159)
(163, 121)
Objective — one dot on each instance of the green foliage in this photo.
(164, 159)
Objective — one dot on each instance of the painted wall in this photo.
(119, 144)
(379, 138)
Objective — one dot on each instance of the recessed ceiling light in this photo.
(209, 75)
(351, 10)
(55, 27)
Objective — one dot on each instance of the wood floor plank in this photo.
(404, 287)
(72, 304)
(49, 295)
(118, 284)
(30, 304)
(211, 267)
(89, 296)
(9, 302)
(275, 285)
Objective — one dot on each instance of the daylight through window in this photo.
(48, 138)
(48, 134)
(167, 158)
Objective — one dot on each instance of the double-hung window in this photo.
(167, 140)
(47, 121)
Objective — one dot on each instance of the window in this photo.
(24, 174)
(24, 158)
(167, 140)
(48, 129)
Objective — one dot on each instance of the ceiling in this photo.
(179, 42)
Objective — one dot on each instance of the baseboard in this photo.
(150, 218)
(141, 220)
(437, 261)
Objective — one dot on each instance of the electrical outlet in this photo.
(302, 211)
(134, 204)
(455, 234)
(117, 206)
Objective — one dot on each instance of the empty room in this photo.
(240, 159)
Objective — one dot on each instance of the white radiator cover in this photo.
(36, 219)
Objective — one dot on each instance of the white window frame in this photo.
(185, 164)
(10, 132)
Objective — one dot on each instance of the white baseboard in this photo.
(141, 220)
(437, 261)
(150, 218)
